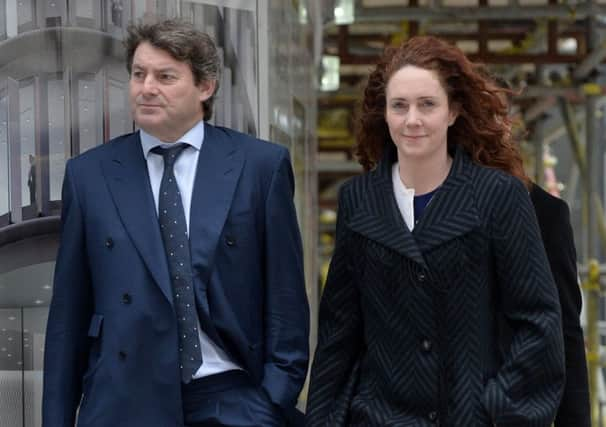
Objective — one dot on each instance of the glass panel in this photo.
(119, 113)
(56, 136)
(28, 143)
(140, 8)
(55, 13)
(85, 9)
(25, 14)
(34, 331)
(90, 120)
(2, 19)
(11, 385)
(117, 13)
(4, 194)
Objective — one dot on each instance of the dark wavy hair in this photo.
(184, 43)
(483, 126)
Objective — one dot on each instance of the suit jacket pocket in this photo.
(94, 356)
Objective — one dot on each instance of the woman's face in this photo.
(418, 113)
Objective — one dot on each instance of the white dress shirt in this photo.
(215, 360)
(404, 197)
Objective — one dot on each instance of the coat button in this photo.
(126, 299)
(121, 355)
(426, 345)
(230, 241)
(109, 243)
(433, 416)
(421, 277)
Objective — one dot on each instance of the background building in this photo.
(64, 89)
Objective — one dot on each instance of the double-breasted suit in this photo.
(112, 336)
(408, 320)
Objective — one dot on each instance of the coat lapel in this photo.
(128, 181)
(452, 211)
(378, 217)
(219, 167)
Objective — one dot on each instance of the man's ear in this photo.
(207, 89)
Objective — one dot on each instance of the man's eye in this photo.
(167, 77)
(427, 104)
(137, 74)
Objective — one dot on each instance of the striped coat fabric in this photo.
(409, 321)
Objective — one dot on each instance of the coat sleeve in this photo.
(66, 347)
(528, 386)
(574, 410)
(334, 368)
(286, 310)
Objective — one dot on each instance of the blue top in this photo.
(420, 203)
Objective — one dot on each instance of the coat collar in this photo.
(220, 165)
(452, 211)
(127, 178)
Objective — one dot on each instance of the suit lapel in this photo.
(452, 211)
(128, 181)
(219, 167)
(378, 217)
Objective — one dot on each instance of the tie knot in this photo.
(170, 155)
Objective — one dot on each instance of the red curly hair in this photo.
(483, 126)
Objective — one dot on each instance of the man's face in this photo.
(165, 101)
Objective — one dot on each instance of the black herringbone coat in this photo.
(408, 321)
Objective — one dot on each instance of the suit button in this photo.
(421, 277)
(426, 345)
(126, 299)
(109, 243)
(433, 416)
(230, 241)
(121, 355)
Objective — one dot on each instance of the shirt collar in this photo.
(398, 185)
(193, 137)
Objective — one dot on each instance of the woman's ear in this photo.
(453, 113)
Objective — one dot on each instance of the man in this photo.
(554, 221)
(179, 295)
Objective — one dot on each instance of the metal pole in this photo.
(593, 300)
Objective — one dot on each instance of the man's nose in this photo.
(150, 85)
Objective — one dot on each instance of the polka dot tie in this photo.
(176, 243)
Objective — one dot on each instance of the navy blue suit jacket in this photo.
(111, 343)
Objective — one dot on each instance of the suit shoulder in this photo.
(103, 150)
(253, 146)
(544, 201)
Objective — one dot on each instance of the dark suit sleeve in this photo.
(528, 386)
(554, 220)
(286, 311)
(66, 349)
(339, 337)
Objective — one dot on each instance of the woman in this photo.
(434, 254)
